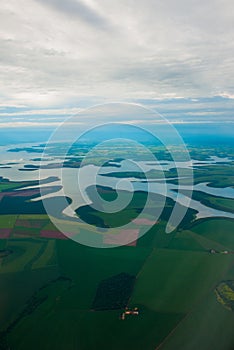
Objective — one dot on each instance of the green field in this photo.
(217, 230)
(184, 277)
(7, 221)
(207, 326)
(175, 274)
(58, 294)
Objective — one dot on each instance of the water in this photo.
(195, 135)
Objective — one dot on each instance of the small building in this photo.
(128, 311)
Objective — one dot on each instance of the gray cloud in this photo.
(78, 9)
(55, 52)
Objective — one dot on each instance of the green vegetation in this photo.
(3, 244)
(184, 277)
(151, 174)
(131, 211)
(6, 185)
(205, 152)
(170, 283)
(77, 263)
(47, 256)
(26, 253)
(114, 292)
(207, 326)
(219, 176)
(9, 186)
(5, 252)
(219, 203)
(51, 288)
(7, 221)
(102, 219)
(217, 230)
(16, 289)
(225, 294)
(184, 240)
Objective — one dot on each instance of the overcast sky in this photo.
(60, 53)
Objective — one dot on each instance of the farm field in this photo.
(217, 230)
(116, 175)
(63, 295)
(172, 278)
(206, 326)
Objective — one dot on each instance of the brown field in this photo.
(121, 237)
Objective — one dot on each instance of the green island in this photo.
(219, 203)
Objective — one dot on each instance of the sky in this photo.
(60, 56)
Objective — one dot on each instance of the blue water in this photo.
(207, 134)
(193, 134)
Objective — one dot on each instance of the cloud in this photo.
(55, 53)
(80, 10)
(175, 111)
(45, 112)
(227, 95)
